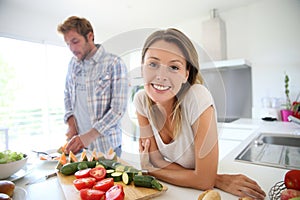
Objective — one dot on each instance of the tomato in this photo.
(84, 173)
(104, 184)
(292, 179)
(98, 173)
(115, 193)
(90, 194)
(82, 183)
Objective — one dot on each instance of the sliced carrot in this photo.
(43, 157)
(63, 159)
(100, 155)
(94, 156)
(83, 156)
(56, 158)
(111, 154)
(62, 148)
(110, 151)
(72, 157)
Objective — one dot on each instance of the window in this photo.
(32, 77)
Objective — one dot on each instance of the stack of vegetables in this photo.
(96, 176)
(292, 184)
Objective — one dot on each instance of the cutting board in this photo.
(131, 192)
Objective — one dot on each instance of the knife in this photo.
(43, 178)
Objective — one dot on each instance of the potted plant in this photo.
(296, 107)
(287, 111)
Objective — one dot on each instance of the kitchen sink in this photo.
(275, 150)
(282, 140)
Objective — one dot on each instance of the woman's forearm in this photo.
(183, 177)
(163, 164)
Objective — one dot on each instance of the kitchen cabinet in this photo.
(235, 134)
(231, 137)
(226, 146)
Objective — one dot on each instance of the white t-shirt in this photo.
(181, 150)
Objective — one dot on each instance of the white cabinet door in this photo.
(230, 138)
(238, 134)
(226, 146)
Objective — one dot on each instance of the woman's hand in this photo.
(239, 185)
(144, 153)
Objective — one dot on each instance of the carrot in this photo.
(63, 159)
(72, 157)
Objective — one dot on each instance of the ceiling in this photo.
(116, 16)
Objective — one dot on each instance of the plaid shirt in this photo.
(107, 88)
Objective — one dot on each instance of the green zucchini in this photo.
(90, 164)
(120, 168)
(143, 181)
(117, 176)
(108, 164)
(71, 168)
(156, 184)
(82, 165)
(147, 181)
(134, 171)
(115, 164)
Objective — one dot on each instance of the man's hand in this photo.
(78, 142)
(72, 128)
(71, 133)
(75, 145)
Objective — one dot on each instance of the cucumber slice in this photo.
(117, 176)
(109, 172)
(126, 178)
(120, 168)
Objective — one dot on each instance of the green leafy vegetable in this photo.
(10, 156)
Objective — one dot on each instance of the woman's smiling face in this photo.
(164, 71)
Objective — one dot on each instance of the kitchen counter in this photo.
(265, 176)
(51, 189)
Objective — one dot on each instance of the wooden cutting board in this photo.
(131, 192)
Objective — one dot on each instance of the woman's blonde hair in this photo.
(178, 38)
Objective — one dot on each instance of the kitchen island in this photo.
(265, 176)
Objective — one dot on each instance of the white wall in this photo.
(266, 33)
(30, 25)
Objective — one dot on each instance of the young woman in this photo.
(177, 119)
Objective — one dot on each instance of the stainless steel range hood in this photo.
(214, 45)
(224, 64)
(230, 83)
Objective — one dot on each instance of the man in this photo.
(95, 91)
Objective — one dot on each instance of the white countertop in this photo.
(265, 176)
